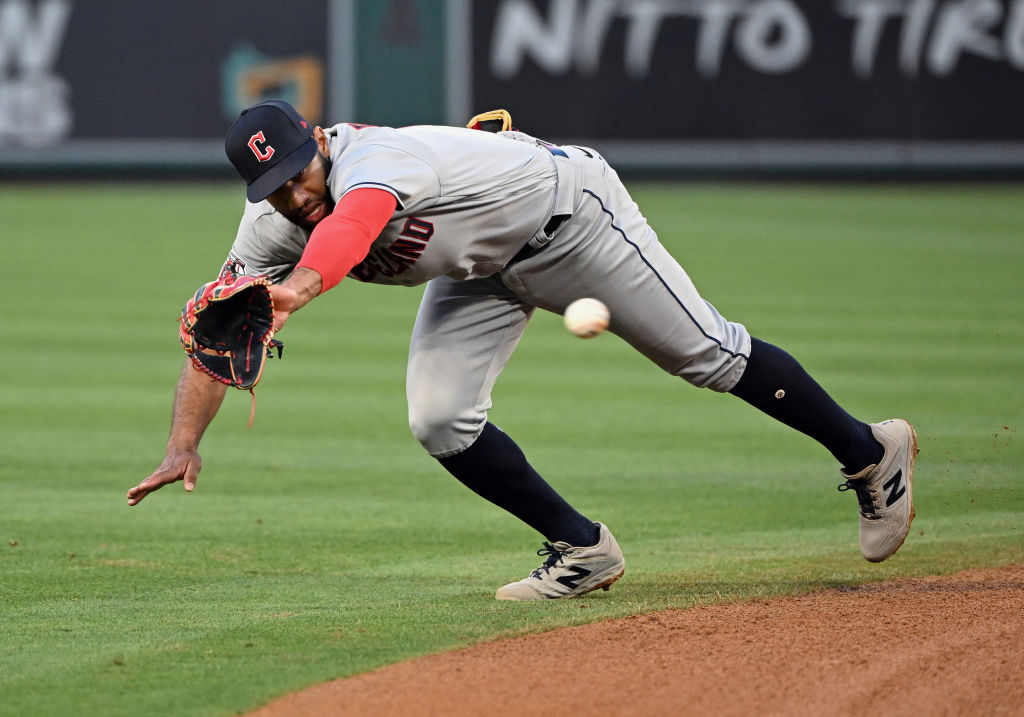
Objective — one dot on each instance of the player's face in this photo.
(304, 199)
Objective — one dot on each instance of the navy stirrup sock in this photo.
(775, 383)
(495, 468)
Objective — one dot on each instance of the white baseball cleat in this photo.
(884, 491)
(570, 571)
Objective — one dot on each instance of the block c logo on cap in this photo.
(261, 155)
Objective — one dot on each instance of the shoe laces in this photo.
(553, 556)
(865, 496)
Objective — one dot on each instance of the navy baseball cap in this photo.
(269, 144)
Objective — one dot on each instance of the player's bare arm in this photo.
(196, 401)
(197, 398)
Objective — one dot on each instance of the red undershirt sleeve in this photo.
(342, 239)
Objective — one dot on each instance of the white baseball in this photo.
(587, 318)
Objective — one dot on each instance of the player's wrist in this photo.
(179, 445)
(301, 287)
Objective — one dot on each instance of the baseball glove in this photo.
(493, 121)
(227, 329)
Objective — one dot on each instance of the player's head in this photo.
(282, 158)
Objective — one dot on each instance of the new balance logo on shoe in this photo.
(572, 581)
(884, 491)
(570, 571)
(897, 490)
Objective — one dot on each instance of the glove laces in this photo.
(252, 413)
(270, 346)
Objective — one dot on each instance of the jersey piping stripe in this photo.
(662, 279)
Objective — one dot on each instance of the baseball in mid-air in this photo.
(587, 318)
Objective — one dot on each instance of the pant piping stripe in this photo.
(661, 278)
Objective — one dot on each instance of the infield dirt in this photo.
(932, 646)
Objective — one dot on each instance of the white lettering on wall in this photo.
(521, 31)
(34, 104)
(771, 35)
(964, 27)
(778, 19)
(768, 36)
(959, 28)
(1014, 37)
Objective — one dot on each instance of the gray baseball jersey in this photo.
(467, 203)
(500, 225)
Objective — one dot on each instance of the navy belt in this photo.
(550, 228)
(554, 222)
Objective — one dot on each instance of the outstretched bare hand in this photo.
(175, 467)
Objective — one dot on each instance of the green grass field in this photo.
(323, 542)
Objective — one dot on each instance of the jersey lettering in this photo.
(399, 255)
(261, 155)
(407, 248)
(418, 228)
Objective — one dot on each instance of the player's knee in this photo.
(426, 432)
(719, 376)
(443, 433)
(718, 365)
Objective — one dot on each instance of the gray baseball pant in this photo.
(466, 331)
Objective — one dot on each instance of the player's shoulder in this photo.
(266, 242)
(426, 151)
(260, 219)
(347, 134)
(350, 136)
(254, 211)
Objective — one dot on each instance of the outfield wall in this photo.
(672, 86)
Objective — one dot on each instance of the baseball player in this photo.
(499, 224)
